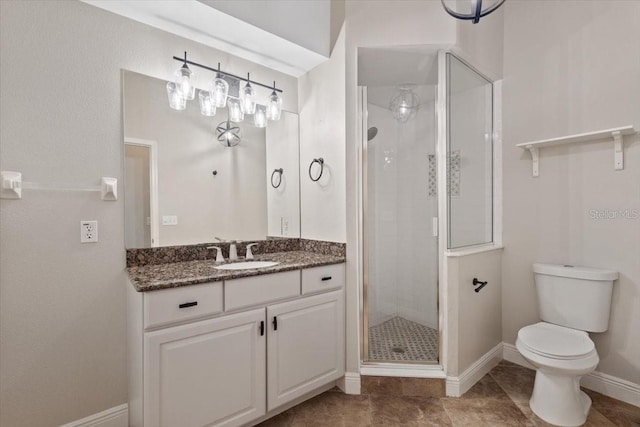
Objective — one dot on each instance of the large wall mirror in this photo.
(183, 186)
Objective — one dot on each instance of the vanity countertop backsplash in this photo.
(170, 267)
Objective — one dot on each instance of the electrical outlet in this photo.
(88, 231)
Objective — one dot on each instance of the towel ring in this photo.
(320, 161)
(279, 172)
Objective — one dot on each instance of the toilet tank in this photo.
(575, 297)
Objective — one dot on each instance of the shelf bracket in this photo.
(535, 160)
(618, 153)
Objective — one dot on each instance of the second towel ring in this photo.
(320, 161)
(279, 172)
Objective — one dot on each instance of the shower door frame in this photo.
(429, 368)
(445, 334)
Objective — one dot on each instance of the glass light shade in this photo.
(248, 99)
(184, 83)
(229, 134)
(235, 110)
(274, 106)
(260, 116)
(220, 91)
(176, 100)
(404, 105)
(207, 108)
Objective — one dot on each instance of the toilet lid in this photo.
(555, 341)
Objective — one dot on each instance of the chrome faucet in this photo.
(249, 254)
(233, 249)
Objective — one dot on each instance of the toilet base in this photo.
(557, 399)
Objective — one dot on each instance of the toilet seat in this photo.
(556, 342)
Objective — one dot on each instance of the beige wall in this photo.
(475, 318)
(62, 304)
(578, 72)
(322, 134)
(483, 43)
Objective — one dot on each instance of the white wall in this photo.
(322, 134)
(62, 304)
(579, 72)
(231, 204)
(305, 23)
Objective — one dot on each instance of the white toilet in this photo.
(572, 301)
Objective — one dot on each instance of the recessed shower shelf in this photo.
(616, 134)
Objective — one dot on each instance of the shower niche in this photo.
(427, 188)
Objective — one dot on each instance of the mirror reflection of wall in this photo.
(203, 189)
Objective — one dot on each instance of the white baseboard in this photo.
(608, 385)
(117, 416)
(350, 383)
(457, 386)
(405, 371)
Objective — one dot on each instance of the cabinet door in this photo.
(205, 373)
(305, 346)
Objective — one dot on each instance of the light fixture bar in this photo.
(217, 70)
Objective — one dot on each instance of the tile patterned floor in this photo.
(399, 339)
(499, 399)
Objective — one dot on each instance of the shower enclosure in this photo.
(427, 117)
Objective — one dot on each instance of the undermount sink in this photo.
(247, 265)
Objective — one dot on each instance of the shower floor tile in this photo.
(399, 339)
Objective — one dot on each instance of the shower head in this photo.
(371, 133)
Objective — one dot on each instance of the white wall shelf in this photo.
(615, 133)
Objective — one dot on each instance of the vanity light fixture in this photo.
(274, 105)
(236, 114)
(207, 104)
(470, 9)
(260, 116)
(248, 98)
(218, 95)
(176, 100)
(183, 80)
(220, 90)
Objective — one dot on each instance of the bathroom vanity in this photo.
(231, 347)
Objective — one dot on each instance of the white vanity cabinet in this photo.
(212, 354)
(305, 346)
(204, 373)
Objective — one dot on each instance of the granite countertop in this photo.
(172, 275)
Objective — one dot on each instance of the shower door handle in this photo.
(434, 226)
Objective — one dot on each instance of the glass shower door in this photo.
(400, 201)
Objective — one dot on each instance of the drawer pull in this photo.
(325, 278)
(188, 304)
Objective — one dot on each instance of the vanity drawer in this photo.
(180, 304)
(256, 290)
(324, 278)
